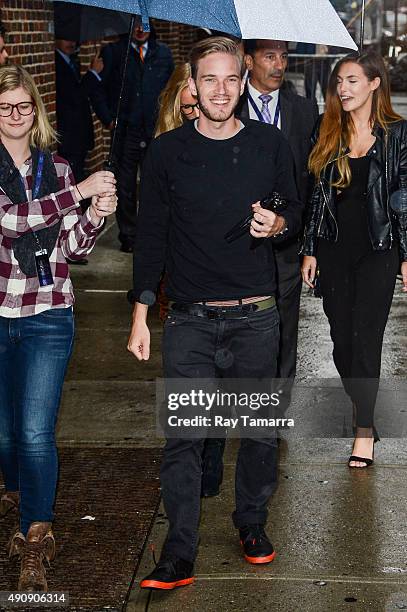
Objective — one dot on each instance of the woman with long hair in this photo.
(353, 233)
(176, 102)
(41, 226)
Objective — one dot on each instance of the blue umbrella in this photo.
(313, 21)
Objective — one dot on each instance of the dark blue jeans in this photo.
(194, 347)
(34, 354)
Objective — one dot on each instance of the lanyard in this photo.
(37, 183)
(258, 113)
(36, 188)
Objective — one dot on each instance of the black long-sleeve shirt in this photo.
(193, 190)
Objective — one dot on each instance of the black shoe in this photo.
(256, 545)
(169, 573)
(126, 247)
(77, 262)
(366, 460)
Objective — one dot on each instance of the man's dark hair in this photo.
(252, 44)
(2, 30)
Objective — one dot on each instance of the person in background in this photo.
(352, 233)
(3, 50)
(73, 112)
(267, 99)
(316, 68)
(176, 103)
(150, 66)
(41, 225)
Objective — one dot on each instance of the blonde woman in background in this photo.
(177, 104)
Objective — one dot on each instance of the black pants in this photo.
(316, 71)
(289, 285)
(77, 160)
(221, 348)
(357, 292)
(130, 151)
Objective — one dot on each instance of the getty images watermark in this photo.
(208, 408)
(310, 408)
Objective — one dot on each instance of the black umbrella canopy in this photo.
(79, 22)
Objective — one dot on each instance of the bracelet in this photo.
(80, 192)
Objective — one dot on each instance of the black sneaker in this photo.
(168, 574)
(256, 545)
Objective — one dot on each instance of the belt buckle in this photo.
(212, 314)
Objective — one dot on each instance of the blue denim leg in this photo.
(42, 348)
(8, 447)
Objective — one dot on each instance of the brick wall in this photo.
(30, 41)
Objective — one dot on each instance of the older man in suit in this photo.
(268, 99)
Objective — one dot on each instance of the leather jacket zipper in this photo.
(386, 164)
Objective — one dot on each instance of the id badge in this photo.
(43, 268)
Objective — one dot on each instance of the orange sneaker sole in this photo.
(256, 560)
(156, 584)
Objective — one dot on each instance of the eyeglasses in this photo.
(23, 108)
(188, 109)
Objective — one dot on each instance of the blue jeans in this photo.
(34, 354)
(222, 348)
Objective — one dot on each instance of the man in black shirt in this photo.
(197, 182)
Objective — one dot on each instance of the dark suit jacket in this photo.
(74, 118)
(298, 117)
(143, 85)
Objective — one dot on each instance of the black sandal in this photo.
(368, 462)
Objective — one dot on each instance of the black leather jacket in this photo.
(387, 174)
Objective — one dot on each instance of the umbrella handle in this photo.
(110, 163)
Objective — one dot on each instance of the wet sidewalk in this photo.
(340, 535)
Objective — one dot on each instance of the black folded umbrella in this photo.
(274, 203)
(79, 22)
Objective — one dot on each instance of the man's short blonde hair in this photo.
(215, 44)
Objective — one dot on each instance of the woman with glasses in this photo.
(41, 225)
(177, 104)
(353, 229)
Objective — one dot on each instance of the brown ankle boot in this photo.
(39, 545)
(16, 543)
(9, 502)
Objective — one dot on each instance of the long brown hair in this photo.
(14, 76)
(170, 115)
(337, 126)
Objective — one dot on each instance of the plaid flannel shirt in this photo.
(22, 296)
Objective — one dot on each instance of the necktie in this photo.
(265, 112)
(74, 69)
(141, 53)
